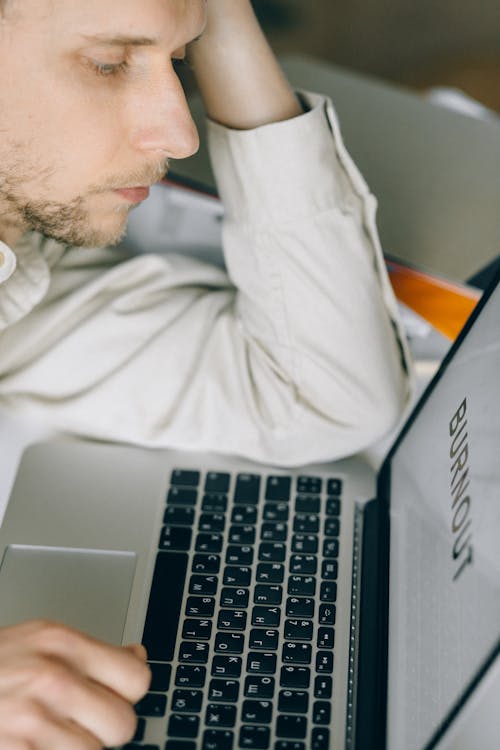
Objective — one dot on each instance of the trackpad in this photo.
(85, 589)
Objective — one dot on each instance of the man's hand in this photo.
(61, 690)
(239, 78)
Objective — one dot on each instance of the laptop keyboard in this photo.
(240, 628)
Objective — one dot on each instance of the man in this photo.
(295, 355)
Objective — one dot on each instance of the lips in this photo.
(134, 194)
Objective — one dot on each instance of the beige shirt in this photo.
(295, 354)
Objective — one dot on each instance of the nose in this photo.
(163, 123)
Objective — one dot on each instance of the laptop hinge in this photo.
(371, 697)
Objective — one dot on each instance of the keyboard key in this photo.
(293, 702)
(160, 677)
(175, 537)
(181, 725)
(289, 745)
(272, 552)
(239, 555)
(326, 638)
(256, 712)
(301, 585)
(176, 745)
(217, 740)
(299, 607)
(187, 701)
(332, 527)
(324, 662)
(309, 485)
(333, 506)
(298, 630)
(211, 522)
(217, 482)
(254, 737)
(214, 503)
(327, 614)
(259, 687)
(331, 548)
(226, 666)
(237, 575)
(153, 704)
(323, 686)
(270, 573)
(321, 712)
(225, 691)
(266, 616)
(184, 477)
(295, 677)
(276, 512)
(164, 608)
(329, 570)
(328, 591)
(205, 564)
(261, 663)
(208, 542)
(266, 640)
(305, 543)
(190, 675)
(303, 564)
(274, 532)
(203, 585)
(140, 730)
(245, 514)
(291, 726)
(296, 653)
(176, 515)
(193, 652)
(334, 487)
(219, 715)
(229, 643)
(307, 504)
(320, 739)
(278, 488)
(232, 597)
(200, 606)
(242, 534)
(247, 489)
(182, 496)
(306, 523)
(267, 594)
(232, 619)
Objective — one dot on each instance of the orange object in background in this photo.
(444, 304)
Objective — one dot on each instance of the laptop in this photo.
(306, 609)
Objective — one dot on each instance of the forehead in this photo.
(172, 22)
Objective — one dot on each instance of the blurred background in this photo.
(417, 43)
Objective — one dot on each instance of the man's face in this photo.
(90, 108)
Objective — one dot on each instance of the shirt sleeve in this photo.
(296, 354)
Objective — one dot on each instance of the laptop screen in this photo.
(444, 595)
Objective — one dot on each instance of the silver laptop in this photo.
(283, 609)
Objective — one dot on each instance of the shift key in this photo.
(164, 608)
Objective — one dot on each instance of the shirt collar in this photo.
(25, 275)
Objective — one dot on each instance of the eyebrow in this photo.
(122, 41)
(126, 40)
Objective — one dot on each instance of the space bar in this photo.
(162, 619)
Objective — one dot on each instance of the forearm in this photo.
(240, 81)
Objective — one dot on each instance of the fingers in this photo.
(64, 693)
(29, 724)
(62, 689)
(122, 670)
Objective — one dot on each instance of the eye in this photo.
(108, 70)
